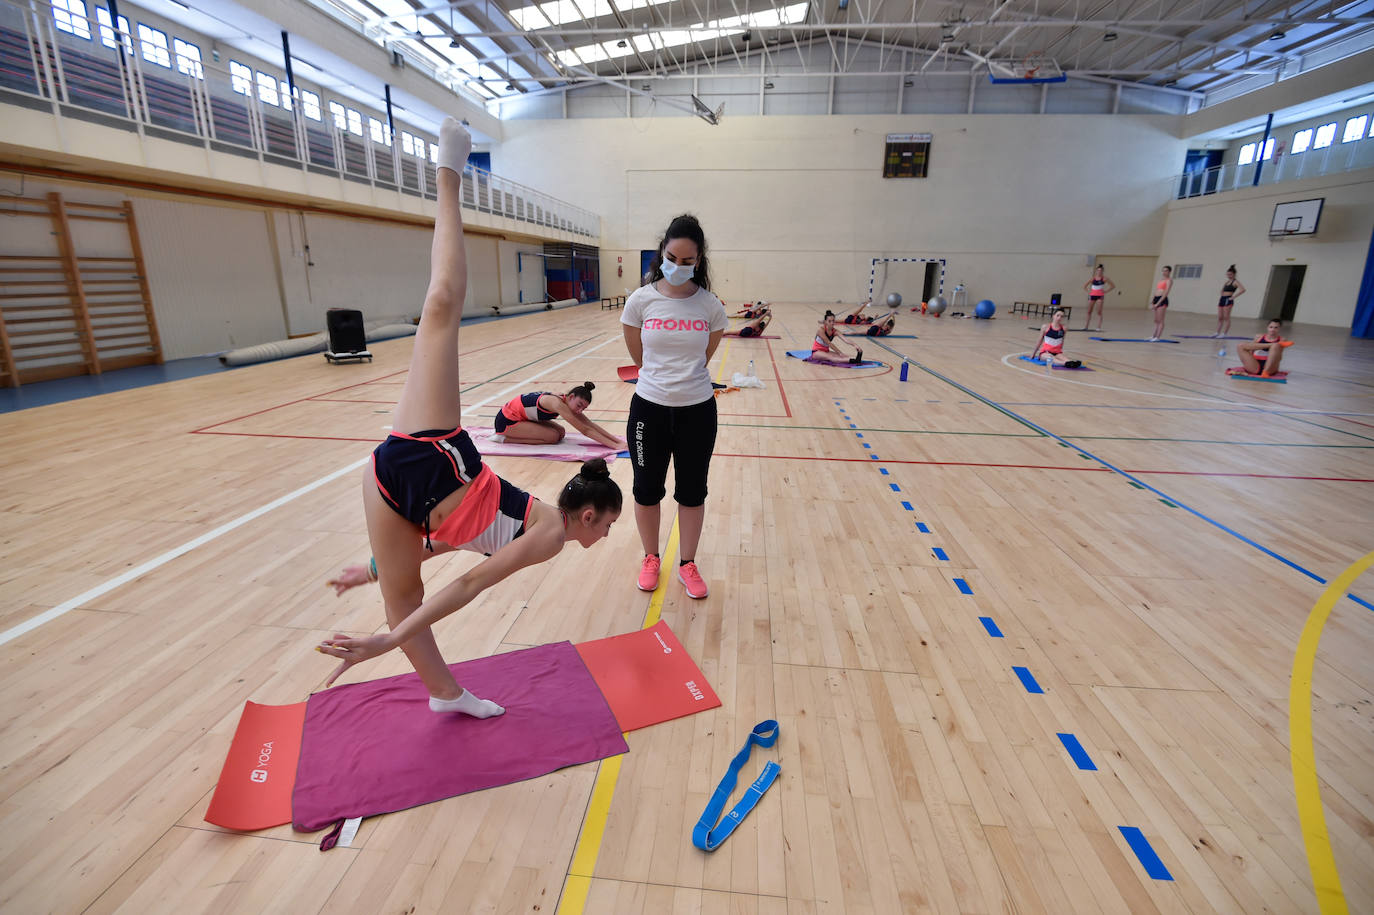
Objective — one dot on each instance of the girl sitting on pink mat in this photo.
(431, 485)
(529, 418)
(823, 346)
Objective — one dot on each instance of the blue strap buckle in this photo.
(711, 830)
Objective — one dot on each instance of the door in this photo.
(1285, 287)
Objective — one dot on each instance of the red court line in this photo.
(1355, 421)
(291, 402)
(357, 385)
(1080, 469)
(781, 390)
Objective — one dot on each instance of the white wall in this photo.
(1284, 135)
(1233, 227)
(795, 207)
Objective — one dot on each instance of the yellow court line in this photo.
(723, 353)
(1306, 785)
(579, 882)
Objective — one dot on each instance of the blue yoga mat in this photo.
(891, 336)
(805, 356)
(1129, 340)
(1060, 368)
(1208, 337)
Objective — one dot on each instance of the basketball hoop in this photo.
(1038, 67)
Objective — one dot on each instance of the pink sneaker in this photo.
(648, 573)
(691, 579)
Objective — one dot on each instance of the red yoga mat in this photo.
(647, 677)
(628, 372)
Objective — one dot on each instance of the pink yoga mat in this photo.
(574, 447)
(375, 747)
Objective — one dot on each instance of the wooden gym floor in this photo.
(849, 515)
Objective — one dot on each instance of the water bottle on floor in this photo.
(751, 369)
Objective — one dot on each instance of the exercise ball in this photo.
(894, 300)
(937, 306)
(985, 309)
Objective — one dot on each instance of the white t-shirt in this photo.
(674, 333)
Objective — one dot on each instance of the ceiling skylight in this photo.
(557, 12)
(672, 38)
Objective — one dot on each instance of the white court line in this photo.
(85, 597)
(1261, 408)
(105, 587)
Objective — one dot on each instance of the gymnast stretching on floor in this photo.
(431, 485)
(529, 418)
(823, 346)
(857, 316)
(756, 327)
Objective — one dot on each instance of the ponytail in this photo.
(593, 487)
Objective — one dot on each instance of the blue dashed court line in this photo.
(991, 626)
(908, 506)
(873, 457)
(1027, 679)
(920, 526)
(1143, 850)
(895, 487)
(851, 425)
(962, 586)
(940, 554)
(858, 435)
(883, 471)
(867, 445)
(1077, 753)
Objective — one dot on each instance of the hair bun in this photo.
(595, 469)
(589, 386)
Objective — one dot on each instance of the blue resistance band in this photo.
(710, 830)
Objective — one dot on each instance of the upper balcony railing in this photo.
(43, 67)
(1311, 163)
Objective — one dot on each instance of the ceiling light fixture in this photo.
(1110, 36)
(1279, 35)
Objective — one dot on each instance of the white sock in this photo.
(454, 145)
(498, 437)
(468, 704)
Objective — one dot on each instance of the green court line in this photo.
(1071, 437)
(871, 429)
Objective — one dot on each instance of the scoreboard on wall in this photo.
(907, 155)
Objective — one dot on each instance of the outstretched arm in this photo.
(587, 427)
(355, 575)
(532, 548)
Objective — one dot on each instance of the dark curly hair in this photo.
(684, 226)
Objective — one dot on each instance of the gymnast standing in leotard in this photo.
(431, 485)
(1160, 302)
(1097, 289)
(1230, 291)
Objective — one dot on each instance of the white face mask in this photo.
(677, 274)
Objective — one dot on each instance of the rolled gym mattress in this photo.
(304, 346)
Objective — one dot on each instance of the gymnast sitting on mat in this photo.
(823, 346)
(857, 316)
(1261, 356)
(431, 485)
(883, 326)
(1050, 346)
(529, 418)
